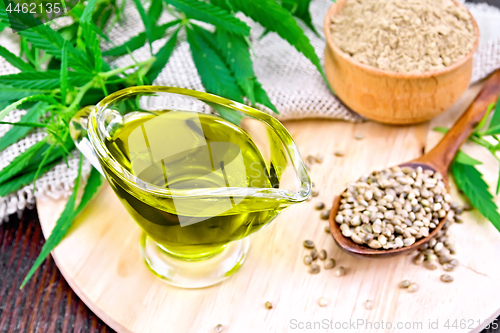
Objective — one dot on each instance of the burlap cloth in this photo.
(291, 81)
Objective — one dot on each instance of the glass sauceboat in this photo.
(198, 173)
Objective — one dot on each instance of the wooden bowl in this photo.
(390, 97)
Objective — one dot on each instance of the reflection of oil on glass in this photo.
(190, 153)
(173, 151)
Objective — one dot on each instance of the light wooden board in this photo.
(100, 257)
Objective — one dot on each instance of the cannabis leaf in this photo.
(470, 181)
(65, 220)
(162, 57)
(212, 14)
(47, 80)
(146, 21)
(214, 74)
(23, 124)
(87, 12)
(224, 4)
(64, 71)
(93, 50)
(18, 132)
(463, 158)
(494, 126)
(138, 41)
(274, 17)
(495, 119)
(32, 157)
(8, 93)
(34, 98)
(483, 121)
(24, 179)
(93, 183)
(21, 162)
(154, 11)
(236, 54)
(43, 37)
(262, 97)
(300, 9)
(14, 60)
(131, 45)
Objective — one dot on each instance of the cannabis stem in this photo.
(123, 69)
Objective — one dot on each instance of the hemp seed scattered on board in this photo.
(412, 288)
(322, 302)
(446, 278)
(314, 269)
(404, 36)
(319, 206)
(340, 271)
(404, 284)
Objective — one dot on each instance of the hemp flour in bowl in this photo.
(404, 36)
(399, 61)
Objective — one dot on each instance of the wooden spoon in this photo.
(438, 160)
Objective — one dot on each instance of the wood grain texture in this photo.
(389, 97)
(101, 262)
(46, 304)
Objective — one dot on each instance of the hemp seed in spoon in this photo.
(393, 208)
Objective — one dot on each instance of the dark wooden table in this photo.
(46, 303)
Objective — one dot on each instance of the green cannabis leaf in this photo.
(162, 58)
(236, 54)
(22, 180)
(146, 21)
(470, 181)
(139, 41)
(63, 78)
(8, 93)
(47, 80)
(14, 60)
(87, 12)
(275, 18)
(463, 158)
(300, 9)
(69, 213)
(209, 13)
(495, 119)
(215, 75)
(44, 38)
(154, 11)
(25, 100)
(33, 114)
(21, 162)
